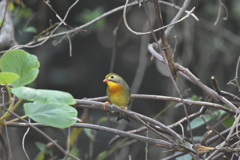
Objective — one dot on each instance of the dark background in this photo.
(205, 49)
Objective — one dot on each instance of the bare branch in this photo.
(219, 12)
(131, 114)
(41, 41)
(173, 99)
(157, 142)
(41, 132)
(149, 32)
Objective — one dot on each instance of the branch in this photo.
(158, 29)
(191, 77)
(157, 142)
(41, 132)
(167, 98)
(7, 39)
(132, 114)
(77, 29)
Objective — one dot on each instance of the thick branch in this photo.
(131, 114)
(173, 99)
(157, 142)
(166, 47)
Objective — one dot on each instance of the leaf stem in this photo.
(16, 119)
(9, 96)
(11, 108)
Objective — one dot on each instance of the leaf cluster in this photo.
(48, 107)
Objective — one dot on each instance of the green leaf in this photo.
(219, 113)
(30, 29)
(43, 151)
(8, 78)
(102, 154)
(11, 6)
(59, 116)
(102, 120)
(178, 105)
(22, 63)
(89, 133)
(41, 147)
(197, 122)
(44, 96)
(40, 156)
(2, 22)
(229, 121)
(196, 98)
(74, 151)
(88, 15)
(227, 106)
(24, 12)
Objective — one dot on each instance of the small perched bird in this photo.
(118, 93)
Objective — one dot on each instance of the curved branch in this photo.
(157, 142)
(149, 32)
(131, 114)
(77, 29)
(41, 132)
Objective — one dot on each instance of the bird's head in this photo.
(113, 77)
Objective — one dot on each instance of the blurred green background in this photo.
(205, 49)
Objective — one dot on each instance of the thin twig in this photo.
(236, 76)
(219, 12)
(61, 20)
(39, 41)
(235, 124)
(182, 130)
(135, 131)
(41, 132)
(70, 45)
(115, 38)
(171, 68)
(23, 140)
(212, 129)
(149, 32)
(157, 142)
(48, 37)
(4, 15)
(146, 147)
(5, 148)
(143, 59)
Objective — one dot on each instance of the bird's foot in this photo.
(126, 108)
(105, 104)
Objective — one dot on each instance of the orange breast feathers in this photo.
(114, 88)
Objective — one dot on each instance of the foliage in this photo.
(20, 68)
(88, 15)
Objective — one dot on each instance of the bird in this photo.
(118, 93)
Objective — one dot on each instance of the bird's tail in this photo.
(122, 116)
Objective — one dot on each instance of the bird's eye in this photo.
(112, 77)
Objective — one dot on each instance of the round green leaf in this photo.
(44, 96)
(22, 63)
(59, 116)
(8, 77)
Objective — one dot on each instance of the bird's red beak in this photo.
(105, 80)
